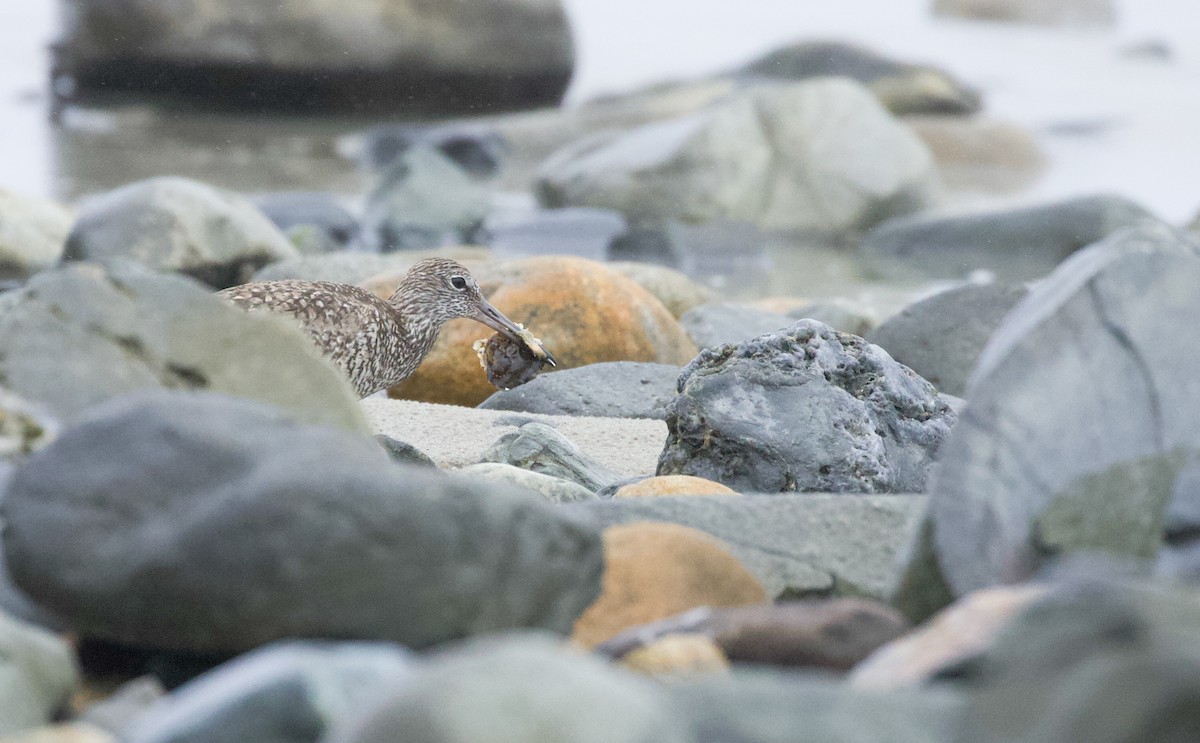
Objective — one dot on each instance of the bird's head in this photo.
(439, 290)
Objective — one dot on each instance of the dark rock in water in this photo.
(711, 325)
(175, 224)
(289, 692)
(835, 634)
(33, 233)
(423, 200)
(806, 409)
(781, 707)
(80, 335)
(520, 689)
(538, 447)
(615, 389)
(37, 676)
(476, 149)
(941, 337)
(574, 231)
(356, 55)
(903, 88)
(1082, 416)
(224, 524)
(1110, 662)
(319, 211)
(1067, 13)
(404, 453)
(798, 546)
(1017, 245)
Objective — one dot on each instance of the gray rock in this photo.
(423, 200)
(289, 692)
(225, 524)
(539, 448)
(355, 55)
(941, 337)
(175, 224)
(553, 489)
(711, 325)
(791, 157)
(805, 409)
(1081, 416)
(37, 675)
(903, 88)
(520, 690)
(404, 453)
(33, 233)
(1072, 13)
(615, 389)
(24, 428)
(1016, 245)
(1110, 662)
(81, 335)
(755, 706)
(580, 231)
(131, 700)
(796, 545)
(675, 290)
(334, 225)
(841, 315)
(479, 150)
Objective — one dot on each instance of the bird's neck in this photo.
(420, 319)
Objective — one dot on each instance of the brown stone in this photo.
(958, 632)
(656, 570)
(583, 311)
(678, 656)
(666, 485)
(834, 634)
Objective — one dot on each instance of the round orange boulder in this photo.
(669, 485)
(656, 570)
(583, 311)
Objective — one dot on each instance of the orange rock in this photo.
(665, 485)
(678, 656)
(656, 570)
(582, 310)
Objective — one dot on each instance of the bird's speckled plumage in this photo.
(377, 343)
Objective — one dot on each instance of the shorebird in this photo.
(379, 343)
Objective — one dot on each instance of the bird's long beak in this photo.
(496, 320)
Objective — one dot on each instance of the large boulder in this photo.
(1015, 245)
(33, 233)
(796, 545)
(616, 389)
(804, 409)
(202, 523)
(176, 224)
(819, 155)
(904, 88)
(287, 692)
(1036, 12)
(317, 54)
(1081, 417)
(583, 311)
(941, 337)
(81, 335)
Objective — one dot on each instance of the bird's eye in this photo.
(458, 282)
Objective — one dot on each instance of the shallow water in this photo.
(1108, 121)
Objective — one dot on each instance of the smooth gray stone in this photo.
(1082, 415)
(553, 489)
(711, 325)
(176, 224)
(520, 690)
(323, 212)
(539, 448)
(796, 545)
(1016, 245)
(941, 337)
(614, 389)
(33, 233)
(83, 334)
(209, 524)
(288, 692)
(804, 409)
(130, 701)
(37, 675)
(404, 453)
